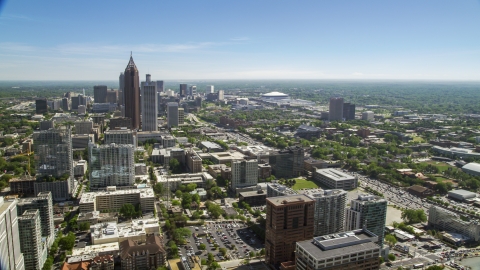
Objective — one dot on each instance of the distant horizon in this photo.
(266, 79)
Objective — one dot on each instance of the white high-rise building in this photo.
(172, 114)
(329, 210)
(149, 105)
(193, 90)
(44, 204)
(244, 173)
(111, 165)
(120, 136)
(33, 248)
(210, 89)
(11, 258)
(221, 94)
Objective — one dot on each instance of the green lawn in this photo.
(302, 183)
(418, 139)
(442, 166)
(440, 178)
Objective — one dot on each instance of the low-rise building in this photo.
(420, 191)
(253, 198)
(211, 146)
(97, 250)
(462, 195)
(226, 157)
(220, 170)
(174, 181)
(346, 250)
(335, 179)
(150, 255)
(95, 217)
(134, 230)
(472, 168)
(113, 199)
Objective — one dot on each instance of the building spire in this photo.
(131, 63)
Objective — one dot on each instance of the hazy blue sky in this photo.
(92, 40)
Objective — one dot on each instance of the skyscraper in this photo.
(221, 94)
(160, 87)
(41, 106)
(111, 165)
(348, 111)
(210, 89)
(192, 90)
(183, 89)
(329, 210)
(33, 249)
(44, 204)
(100, 94)
(132, 93)
(11, 258)
(369, 211)
(149, 105)
(172, 114)
(53, 152)
(121, 87)
(54, 162)
(336, 109)
(289, 220)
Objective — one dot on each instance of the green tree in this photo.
(175, 165)
(435, 267)
(223, 251)
(84, 226)
(128, 211)
(196, 198)
(158, 189)
(413, 216)
(202, 246)
(186, 200)
(67, 242)
(180, 234)
(191, 187)
(214, 265)
(391, 257)
(390, 239)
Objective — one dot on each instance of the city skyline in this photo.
(429, 40)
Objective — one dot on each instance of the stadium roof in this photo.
(274, 94)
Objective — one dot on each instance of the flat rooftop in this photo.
(289, 199)
(282, 188)
(253, 193)
(463, 192)
(334, 245)
(319, 193)
(93, 250)
(91, 196)
(335, 175)
(228, 156)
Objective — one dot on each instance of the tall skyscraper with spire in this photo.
(132, 93)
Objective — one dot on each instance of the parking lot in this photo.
(224, 234)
